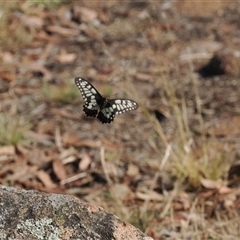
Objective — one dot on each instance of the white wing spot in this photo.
(93, 91)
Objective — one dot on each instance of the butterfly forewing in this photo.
(97, 106)
(92, 98)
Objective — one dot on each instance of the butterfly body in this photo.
(99, 107)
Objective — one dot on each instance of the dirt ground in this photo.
(172, 167)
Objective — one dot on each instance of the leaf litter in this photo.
(124, 47)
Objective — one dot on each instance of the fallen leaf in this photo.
(24, 89)
(67, 32)
(4, 95)
(29, 175)
(42, 36)
(121, 191)
(85, 162)
(5, 169)
(229, 199)
(228, 203)
(225, 190)
(37, 157)
(8, 75)
(223, 128)
(32, 22)
(7, 150)
(200, 9)
(7, 57)
(64, 113)
(19, 173)
(67, 152)
(200, 50)
(210, 184)
(133, 170)
(149, 195)
(66, 57)
(143, 77)
(38, 68)
(5, 158)
(21, 154)
(73, 140)
(45, 127)
(58, 169)
(101, 77)
(180, 216)
(45, 179)
(109, 145)
(84, 14)
(185, 200)
(69, 159)
(21, 150)
(39, 137)
(74, 178)
(107, 69)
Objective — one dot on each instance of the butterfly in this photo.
(99, 107)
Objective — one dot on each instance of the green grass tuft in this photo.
(49, 4)
(12, 129)
(63, 94)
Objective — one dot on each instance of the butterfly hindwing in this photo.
(97, 106)
(115, 107)
(107, 113)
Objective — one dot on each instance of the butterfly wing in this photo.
(107, 113)
(92, 98)
(123, 105)
(115, 107)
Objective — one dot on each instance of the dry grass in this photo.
(189, 157)
(12, 37)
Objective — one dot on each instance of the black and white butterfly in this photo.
(102, 108)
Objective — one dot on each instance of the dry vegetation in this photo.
(171, 168)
